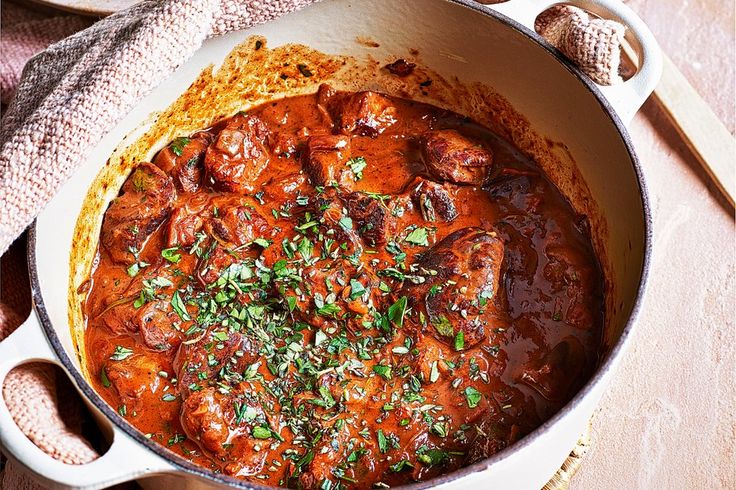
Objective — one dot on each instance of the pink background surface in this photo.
(668, 420)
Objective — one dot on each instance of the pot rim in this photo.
(614, 355)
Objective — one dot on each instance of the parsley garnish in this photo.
(382, 441)
(434, 373)
(328, 309)
(431, 457)
(244, 412)
(121, 353)
(472, 396)
(134, 269)
(397, 310)
(443, 326)
(383, 371)
(103, 377)
(357, 165)
(398, 467)
(418, 236)
(356, 289)
(460, 341)
(261, 432)
(177, 146)
(346, 223)
(171, 255)
(178, 306)
(304, 70)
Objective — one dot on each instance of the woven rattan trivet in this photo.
(561, 479)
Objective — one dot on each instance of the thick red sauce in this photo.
(341, 290)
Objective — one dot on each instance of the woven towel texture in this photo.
(68, 96)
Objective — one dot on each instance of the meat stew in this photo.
(341, 290)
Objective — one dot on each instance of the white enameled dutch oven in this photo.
(495, 45)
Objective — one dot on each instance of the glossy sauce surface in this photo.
(341, 290)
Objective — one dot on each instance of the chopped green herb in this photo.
(121, 353)
(261, 432)
(418, 236)
(103, 377)
(178, 306)
(291, 302)
(171, 255)
(440, 429)
(434, 373)
(244, 412)
(356, 289)
(329, 309)
(304, 70)
(305, 248)
(377, 196)
(443, 326)
(472, 396)
(176, 439)
(177, 146)
(168, 397)
(357, 165)
(397, 311)
(431, 457)
(134, 269)
(382, 441)
(401, 465)
(319, 337)
(346, 223)
(460, 340)
(383, 371)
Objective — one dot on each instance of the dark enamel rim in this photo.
(181, 464)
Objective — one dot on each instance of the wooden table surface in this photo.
(669, 419)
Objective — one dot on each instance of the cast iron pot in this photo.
(493, 44)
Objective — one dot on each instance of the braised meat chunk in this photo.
(135, 377)
(370, 217)
(435, 201)
(145, 202)
(182, 159)
(453, 157)
(219, 356)
(365, 113)
(236, 222)
(145, 310)
(463, 273)
(326, 161)
(238, 155)
(211, 418)
(184, 225)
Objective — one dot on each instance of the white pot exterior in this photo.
(454, 39)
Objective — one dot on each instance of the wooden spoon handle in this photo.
(706, 136)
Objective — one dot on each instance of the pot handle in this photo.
(625, 98)
(125, 459)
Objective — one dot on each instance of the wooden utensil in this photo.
(706, 136)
